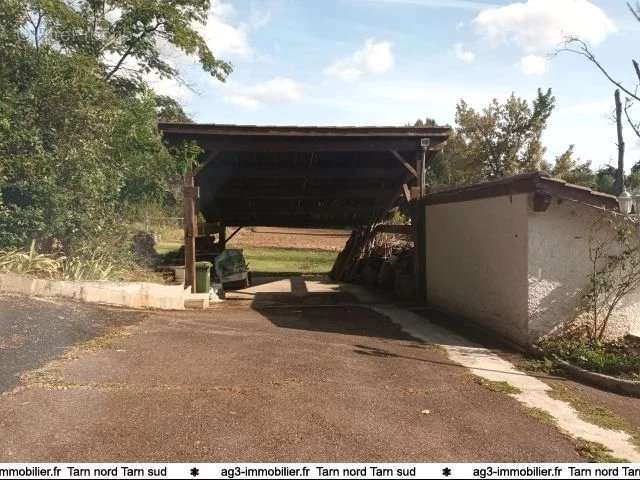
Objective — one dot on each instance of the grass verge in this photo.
(541, 415)
(609, 359)
(595, 452)
(294, 261)
(303, 261)
(499, 387)
(595, 414)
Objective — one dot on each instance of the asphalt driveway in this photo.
(263, 377)
(35, 331)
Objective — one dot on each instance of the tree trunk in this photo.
(619, 184)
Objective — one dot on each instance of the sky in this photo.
(390, 62)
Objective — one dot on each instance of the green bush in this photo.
(74, 152)
(608, 358)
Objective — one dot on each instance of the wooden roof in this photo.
(303, 176)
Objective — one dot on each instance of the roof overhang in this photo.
(303, 176)
(535, 182)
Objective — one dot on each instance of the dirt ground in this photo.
(319, 239)
(276, 374)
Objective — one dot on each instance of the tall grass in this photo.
(84, 264)
(30, 262)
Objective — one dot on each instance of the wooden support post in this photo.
(419, 223)
(190, 194)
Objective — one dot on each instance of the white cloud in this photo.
(224, 38)
(277, 91)
(463, 54)
(541, 25)
(534, 65)
(373, 58)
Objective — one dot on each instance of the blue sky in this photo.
(389, 62)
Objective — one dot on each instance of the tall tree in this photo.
(74, 150)
(570, 170)
(578, 46)
(504, 138)
(169, 110)
(128, 37)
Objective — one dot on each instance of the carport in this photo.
(303, 177)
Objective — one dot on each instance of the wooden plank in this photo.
(406, 164)
(190, 230)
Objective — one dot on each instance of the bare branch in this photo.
(36, 26)
(636, 13)
(584, 51)
(634, 126)
(133, 42)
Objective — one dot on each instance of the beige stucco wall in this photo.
(559, 268)
(477, 261)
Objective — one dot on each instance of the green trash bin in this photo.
(203, 279)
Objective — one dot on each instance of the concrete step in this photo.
(197, 301)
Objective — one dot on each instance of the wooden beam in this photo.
(300, 193)
(190, 229)
(233, 234)
(244, 211)
(406, 164)
(407, 192)
(316, 132)
(394, 229)
(418, 221)
(222, 174)
(212, 155)
(421, 169)
(293, 144)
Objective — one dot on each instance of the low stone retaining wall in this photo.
(606, 382)
(126, 294)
